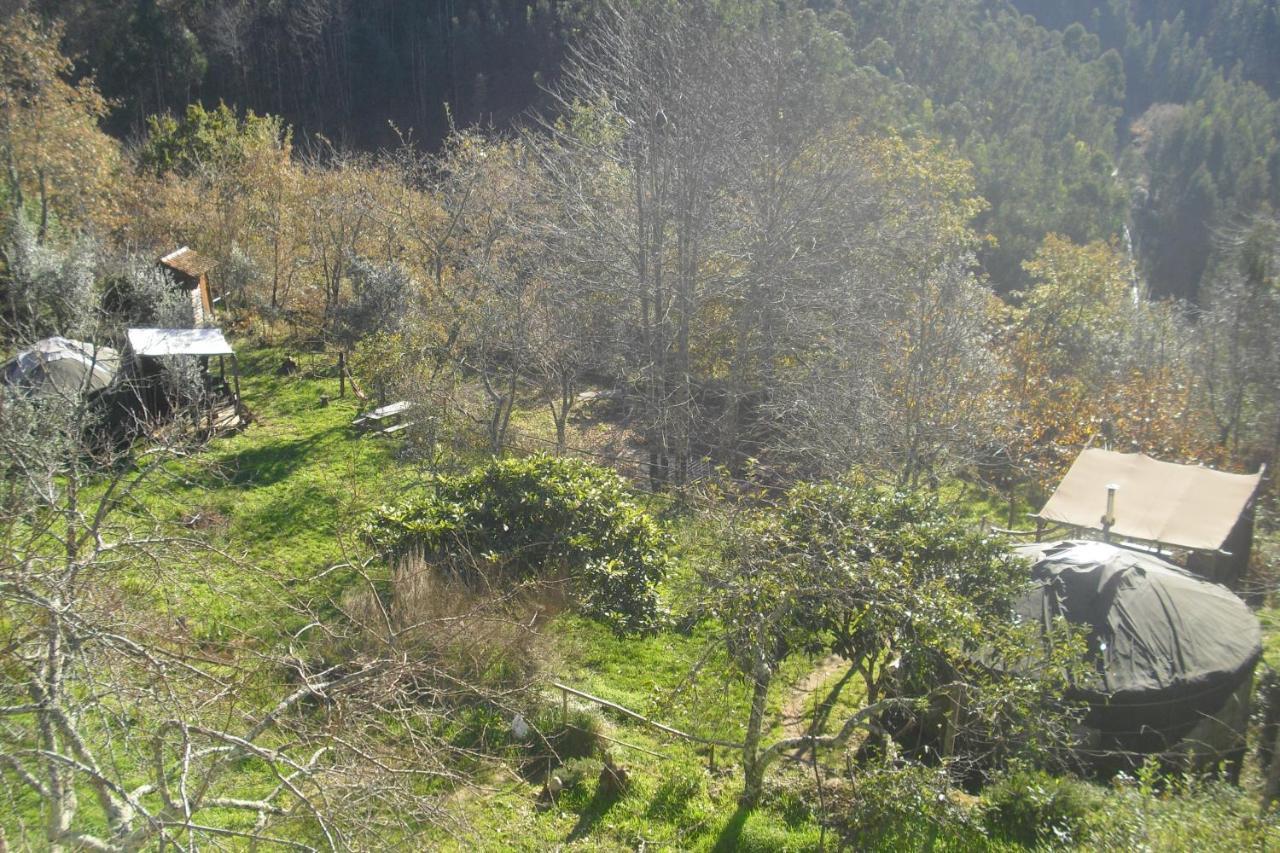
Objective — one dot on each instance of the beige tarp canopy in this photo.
(1181, 505)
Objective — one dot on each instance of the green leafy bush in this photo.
(1032, 807)
(200, 138)
(542, 517)
(901, 807)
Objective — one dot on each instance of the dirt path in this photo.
(797, 711)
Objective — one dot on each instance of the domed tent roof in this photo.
(1155, 627)
(1171, 650)
(62, 366)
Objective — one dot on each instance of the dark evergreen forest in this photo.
(1080, 119)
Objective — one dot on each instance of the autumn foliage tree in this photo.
(58, 165)
(1088, 358)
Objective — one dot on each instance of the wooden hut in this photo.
(191, 272)
(222, 405)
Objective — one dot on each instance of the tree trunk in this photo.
(561, 417)
(752, 768)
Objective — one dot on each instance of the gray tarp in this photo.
(1183, 505)
(1155, 627)
(62, 366)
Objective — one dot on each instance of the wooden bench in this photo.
(392, 430)
(383, 418)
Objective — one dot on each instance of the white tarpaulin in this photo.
(154, 342)
(1181, 505)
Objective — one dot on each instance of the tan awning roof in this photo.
(1182, 505)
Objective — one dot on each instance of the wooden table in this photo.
(384, 420)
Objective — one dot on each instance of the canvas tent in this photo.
(1174, 654)
(152, 343)
(1162, 504)
(62, 366)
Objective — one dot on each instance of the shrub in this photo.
(578, 772)
(1180, 812)
(554, 742)
(1033, 807)
(447, 626)
(578, 738)
(539, 517)
(900, 807)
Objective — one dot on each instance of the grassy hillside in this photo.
(284, 497)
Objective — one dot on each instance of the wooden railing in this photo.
(710, 743)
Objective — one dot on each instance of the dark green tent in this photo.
(1173, 653)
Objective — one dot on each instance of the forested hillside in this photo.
(607, 425)
(1160, 115)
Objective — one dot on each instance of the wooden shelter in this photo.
(225, 409)
(191, 272)
(1130, 497)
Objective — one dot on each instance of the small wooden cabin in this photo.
(191, 272)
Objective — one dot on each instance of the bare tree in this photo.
(770, 260)
(642, 170)
(132, 716)
(933, 405)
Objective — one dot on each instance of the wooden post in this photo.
(342, 374)
(711, 758)
(952, 722)
(1272, 786)
(564, 708)
(235, 376)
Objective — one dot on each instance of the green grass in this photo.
(1270, 619)
(285, 497)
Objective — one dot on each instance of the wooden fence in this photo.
(710, 743)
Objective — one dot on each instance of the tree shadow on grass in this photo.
(731, 834)
(593, 812)
(268, 464)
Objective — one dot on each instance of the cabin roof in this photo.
(186, 261)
